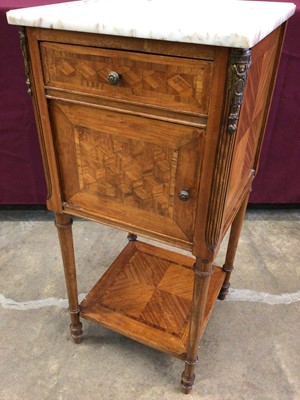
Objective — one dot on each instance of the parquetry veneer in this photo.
(160, 139)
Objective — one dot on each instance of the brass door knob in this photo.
(184, 195)
(113, 78)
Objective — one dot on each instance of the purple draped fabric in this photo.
(21, 172)
(278, 178)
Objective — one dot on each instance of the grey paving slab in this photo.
(250, 349)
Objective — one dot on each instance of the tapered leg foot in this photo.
(63, 224)
(188, 376)
(235, 232)
(223, 292)
(202, 269)
(187, 383)
(76, 332)
(226, 285)
(131, 237)
(76, 325)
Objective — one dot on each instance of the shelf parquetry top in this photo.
(146, 294)
(230, 23)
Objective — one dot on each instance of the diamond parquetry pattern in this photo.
(148, 290)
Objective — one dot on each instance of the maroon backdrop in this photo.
(21, 173)
(278, 178)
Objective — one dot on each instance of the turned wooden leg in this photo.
(131, 237)
(235, 232)
(63, 223)
(203, 269)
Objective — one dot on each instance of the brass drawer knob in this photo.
(113, 78)
(184, 195)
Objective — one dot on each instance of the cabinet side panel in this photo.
(54, 202)
(257, 96)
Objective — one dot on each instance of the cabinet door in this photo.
(128, 170)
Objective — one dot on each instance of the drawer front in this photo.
(127, 170)
(165, 82)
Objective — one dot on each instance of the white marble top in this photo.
(229, 23)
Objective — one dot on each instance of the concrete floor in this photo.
(250, 349)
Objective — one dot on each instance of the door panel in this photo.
(127, 169)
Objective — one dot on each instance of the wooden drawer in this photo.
(127, 170)
(173, 83)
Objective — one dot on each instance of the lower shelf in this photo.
(146, 295)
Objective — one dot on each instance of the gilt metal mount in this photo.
(25, 57)
(240, 60)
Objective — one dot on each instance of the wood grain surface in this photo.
(147, 294)
(169, 152)
(128, 169)
(174, 83)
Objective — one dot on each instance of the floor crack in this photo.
(233, 295)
